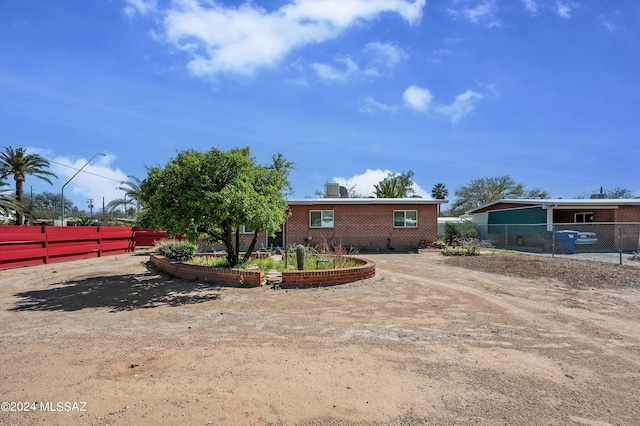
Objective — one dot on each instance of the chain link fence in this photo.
(606, 242)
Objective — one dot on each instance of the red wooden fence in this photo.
(33, 245)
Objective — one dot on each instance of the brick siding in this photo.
(364, 226)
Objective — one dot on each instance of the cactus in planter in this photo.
(300, 256)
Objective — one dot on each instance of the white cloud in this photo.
(463, 105)
(140, 6)
(610, 26)
(386, 54)
(417, 98)
(563, 9)
(98, 179)
(383, 56)
(364, 182)
(331, 73)
(240, 40)
(421, 100)
(531, 5)
(481, 13)
(371, 105)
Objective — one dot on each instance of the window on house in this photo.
(321, 219)
(246, 229)
(405, 218)
(584, 217)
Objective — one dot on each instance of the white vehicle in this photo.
(587, 238)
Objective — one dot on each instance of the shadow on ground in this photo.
(118, 293)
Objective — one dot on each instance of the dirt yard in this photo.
(515, 341)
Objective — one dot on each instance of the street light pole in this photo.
(62, 192)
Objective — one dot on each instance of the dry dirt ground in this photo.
(427, 341)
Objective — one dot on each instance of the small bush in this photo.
(180, 251)
(464, 229)
(466, 247)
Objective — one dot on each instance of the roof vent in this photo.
(599, 196)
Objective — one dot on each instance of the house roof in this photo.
(365, 201)
(561, 203)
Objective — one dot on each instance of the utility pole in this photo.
(90, 201)
(62, 191)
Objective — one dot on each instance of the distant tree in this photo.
(395, 186)
(46, 205)
(213, 194)
(8, 204)
(439, 191)
(616, 192)
(485, 190)
(19, 164)
(131, 197)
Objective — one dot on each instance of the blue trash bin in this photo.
(566, 241)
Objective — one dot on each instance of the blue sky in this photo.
(546, 91)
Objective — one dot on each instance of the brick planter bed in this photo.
(308, 278)
(254, 278)
(224, 276)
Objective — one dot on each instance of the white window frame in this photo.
(323, 213)
(404, 214)
(243, 229)
(584, 217)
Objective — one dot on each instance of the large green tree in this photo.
(485, 190)
(395, 186)
(213, 194)
(20, 164)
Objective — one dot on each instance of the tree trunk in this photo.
(247, 255)
(232, 255)
(19, 198)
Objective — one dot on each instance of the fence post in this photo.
(46, 244)
(620, 241)
(506, 237)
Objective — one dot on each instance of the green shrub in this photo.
(464, 229)
(180, 251)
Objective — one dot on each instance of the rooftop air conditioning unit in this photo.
(332, 190)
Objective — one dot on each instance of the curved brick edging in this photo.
(255, 278)
(327, 277)
(224, 276)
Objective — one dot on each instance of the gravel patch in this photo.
(574, 273)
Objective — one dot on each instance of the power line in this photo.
(74, 168)
(83, 171)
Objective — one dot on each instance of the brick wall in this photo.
(364, 226)
(627, 214)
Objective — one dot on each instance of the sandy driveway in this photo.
(422, 343)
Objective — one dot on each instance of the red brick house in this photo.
(363, 224)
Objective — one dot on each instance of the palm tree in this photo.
(131, 190)
(8, 203)
(439, 191)
(19, 164)
(395, 186)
